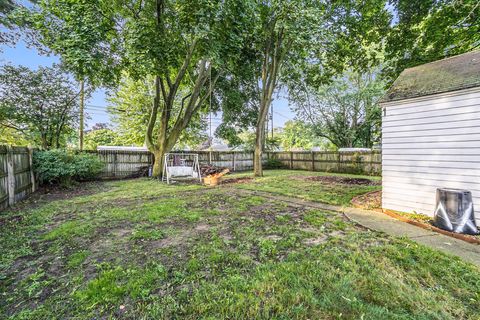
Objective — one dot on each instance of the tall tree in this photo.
(205, 37)
(182, 44)
(284, 27)
(130, 106)
(346, 111)
(310, 40)
(83, 34)
(299, 135)
(40, 105)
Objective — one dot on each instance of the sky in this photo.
(96, 105)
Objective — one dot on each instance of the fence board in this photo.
(120, 163)
(16, 175)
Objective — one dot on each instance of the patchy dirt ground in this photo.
(142, 249)
(229, 180)
(343, 180)
(370, 200)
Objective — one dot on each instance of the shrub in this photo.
(63, 167)
(273, 164)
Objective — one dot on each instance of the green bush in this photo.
(63, 167)
(273, 164)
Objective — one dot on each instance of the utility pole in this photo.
(82, 107)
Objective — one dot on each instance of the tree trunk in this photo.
(257, 158)
(260, 133)
(82, 106)
(273, 57)
(158, 163)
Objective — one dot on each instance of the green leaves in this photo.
(60, 166)
(39, 105)
(130, 107)
(431, 30)
(84, 35)
(100, 137)
(345, 111)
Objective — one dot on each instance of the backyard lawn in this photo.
(139, 249)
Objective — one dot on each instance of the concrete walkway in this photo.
(381, 222)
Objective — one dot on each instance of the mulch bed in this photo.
(344, 180)
(428, 226)
(373, 200)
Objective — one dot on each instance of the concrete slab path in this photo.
(381, 222)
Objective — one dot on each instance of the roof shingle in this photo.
(450, 74)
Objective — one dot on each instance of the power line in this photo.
(281, 115)
(105, 110)
(93, 105)
(96, 108)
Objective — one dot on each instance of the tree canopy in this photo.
(40, 105)
(430, 30)
(346, 111)
(129, 107)
(186, 46)
(100, 137)
(170, 61)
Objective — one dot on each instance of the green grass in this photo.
(139, 249)
(293, 183)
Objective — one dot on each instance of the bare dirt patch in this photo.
(236, 180)
(315, 241)
(52, 193)
(343, 180)
(370, 200)
(12, 219)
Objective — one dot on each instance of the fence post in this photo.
(32, 174)
(339, 162)
(114, 163)
(10, 176)
(313, 161)
(291, 159)
(233, 160)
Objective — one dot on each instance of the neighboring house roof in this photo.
(450, 74)
(121, 148)
(354, 149)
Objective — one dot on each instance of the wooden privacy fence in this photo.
(17, 179)
(359, 162)
(119, 163)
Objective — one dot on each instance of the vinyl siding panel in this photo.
(474, 136)
(464, 107)
(433, 132)
(421, 152)
(428, 143)
(445, 124)
(434, 171)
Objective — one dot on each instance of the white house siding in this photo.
(428, 143)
